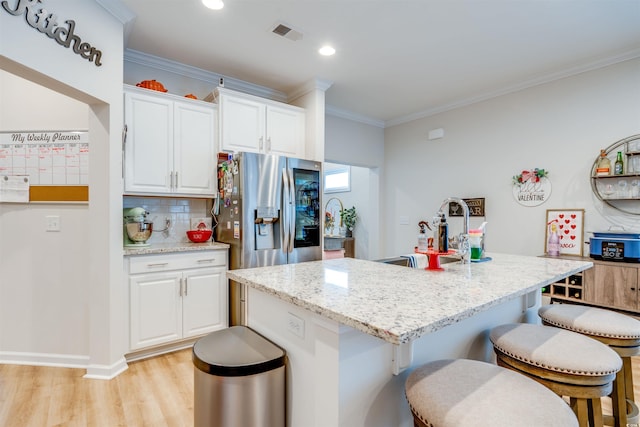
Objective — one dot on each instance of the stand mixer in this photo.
(137, 229)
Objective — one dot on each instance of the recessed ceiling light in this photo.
(326, 51)
(213, 4)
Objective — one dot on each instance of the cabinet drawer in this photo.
(179, 261)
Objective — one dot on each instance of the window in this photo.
(337, 178)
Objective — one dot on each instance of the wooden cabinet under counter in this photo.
(612, 285)
(607, 284)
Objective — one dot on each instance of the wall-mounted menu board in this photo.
(56, 162)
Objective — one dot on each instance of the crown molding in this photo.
(118, 9)
(355, 117)
(122, 13)
(310, 86)
(547, 78)
(164, 64)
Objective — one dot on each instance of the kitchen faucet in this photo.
(463, 238)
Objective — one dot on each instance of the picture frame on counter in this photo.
(568, 225)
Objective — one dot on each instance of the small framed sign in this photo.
(476, 207)
(567, 226)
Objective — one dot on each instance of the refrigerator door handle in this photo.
(292, 206)
(285, 211)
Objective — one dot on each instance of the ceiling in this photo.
(396, 59)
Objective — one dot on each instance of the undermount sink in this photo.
(446, 259)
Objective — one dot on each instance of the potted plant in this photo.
(349, 217)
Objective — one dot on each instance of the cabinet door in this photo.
(194, 150)
(149, 144)
(155, 309)
(204, 301)
(285, 131)
(241, 124)
(612, 286)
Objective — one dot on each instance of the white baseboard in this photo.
(44, 359)
(106, 372)
(101, 372)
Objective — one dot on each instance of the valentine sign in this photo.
(531, 187)
(569, 226)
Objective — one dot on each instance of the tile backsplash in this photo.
(179, 211)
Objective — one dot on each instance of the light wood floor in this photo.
(154, 392)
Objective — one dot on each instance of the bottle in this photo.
(618, 167)
(603, 168)
(422, 240)
(443, 235)
(553, 244)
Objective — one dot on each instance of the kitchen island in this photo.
(353, 329)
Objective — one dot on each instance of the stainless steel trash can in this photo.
(239, 380)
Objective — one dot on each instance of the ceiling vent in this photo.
(286, 32)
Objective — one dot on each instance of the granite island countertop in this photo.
(400, 304)
(168, 248)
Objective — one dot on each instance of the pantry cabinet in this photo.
(169, 144)
(250, 123)
(176, 296)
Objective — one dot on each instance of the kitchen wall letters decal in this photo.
(45, 22)
(531, 187)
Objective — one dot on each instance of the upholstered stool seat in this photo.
(620, 332)
(461, 393)
(566, 362)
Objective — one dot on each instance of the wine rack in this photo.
(568, 289)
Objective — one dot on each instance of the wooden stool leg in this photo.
(619, 401)
(596, 413)
(580, 408)
(628, 378)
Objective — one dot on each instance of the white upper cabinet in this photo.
(170, 146)
(250, 123)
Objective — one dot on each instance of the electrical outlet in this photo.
(53, 223)
(295, 325)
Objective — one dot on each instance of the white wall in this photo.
(559, 126)
(40, 282)
(354, 143)
(38, 58)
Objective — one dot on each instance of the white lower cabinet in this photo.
(183, 299)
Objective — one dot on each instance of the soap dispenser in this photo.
(443, 235)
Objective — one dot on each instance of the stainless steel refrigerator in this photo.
(268, 211)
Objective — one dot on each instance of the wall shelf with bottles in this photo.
(620, 191)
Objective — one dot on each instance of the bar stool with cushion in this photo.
(620, 332)
(461, 393)
(566, 362)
